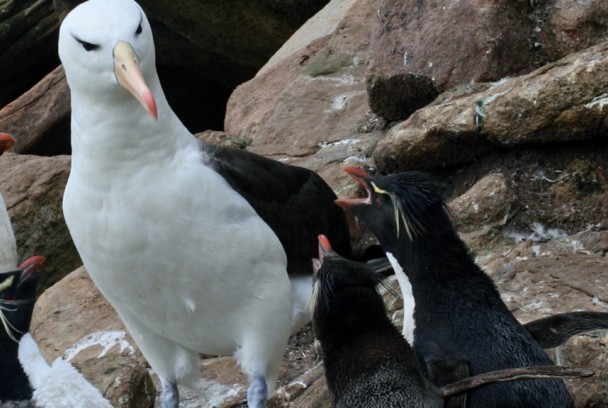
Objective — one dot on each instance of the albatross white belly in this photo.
(153, 253)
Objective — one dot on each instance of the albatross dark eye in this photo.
(87, 45)
(139, 30)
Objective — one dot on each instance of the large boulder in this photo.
(310, 100)
(32, 187)
(39, 119)
(560, 102)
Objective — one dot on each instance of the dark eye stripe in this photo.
(87, 45)
(139, 28)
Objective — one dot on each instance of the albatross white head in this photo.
(111, 41)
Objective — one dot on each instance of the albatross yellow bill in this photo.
(130, 77)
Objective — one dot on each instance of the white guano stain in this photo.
(340, 101)
(598, 102)
(105, 339)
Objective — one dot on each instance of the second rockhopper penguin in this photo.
(458, 313)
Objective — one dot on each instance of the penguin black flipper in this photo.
(555, 330)
(293, 201)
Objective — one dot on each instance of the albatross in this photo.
(200, 249)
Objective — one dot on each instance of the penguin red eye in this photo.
(378, 202)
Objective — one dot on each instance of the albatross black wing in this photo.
(295, 202)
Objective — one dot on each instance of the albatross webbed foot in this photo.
(169, 397)
(257, 392)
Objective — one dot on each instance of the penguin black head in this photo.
(344, 294)
(17, 296)
(334, 273)
(399, 206)
(21, 284)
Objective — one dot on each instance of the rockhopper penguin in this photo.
(367, 362)
(458, 313)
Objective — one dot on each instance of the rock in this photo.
(32, 187)
(308, 106)
(536, 281)
(490, 202)
(589, 351)
(539, 279)
(28, 40)
(563, 101)
(570, 25)
(398, 96)
(73, 320)
(479, 41)
(581, 178)
(39, 119)
(122, 380)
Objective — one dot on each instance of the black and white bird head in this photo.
(345, 299)
(333, 274)
(399, 206)
(111, 41)
(17, 295)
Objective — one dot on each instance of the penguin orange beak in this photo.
(32, 266)
(6, 142)
(129, 76)
(359, 175)
(325, 250)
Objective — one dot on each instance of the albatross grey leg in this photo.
(257, 392)
(169, 397)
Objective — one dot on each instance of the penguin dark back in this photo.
(458, 312)
(367, 361)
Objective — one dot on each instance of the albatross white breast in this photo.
(185, 260)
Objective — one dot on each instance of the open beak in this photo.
(31, 267)
(129, 76)
(6, 142)
(359, 176)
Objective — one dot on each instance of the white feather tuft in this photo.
(409, 303)
(59, 385)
